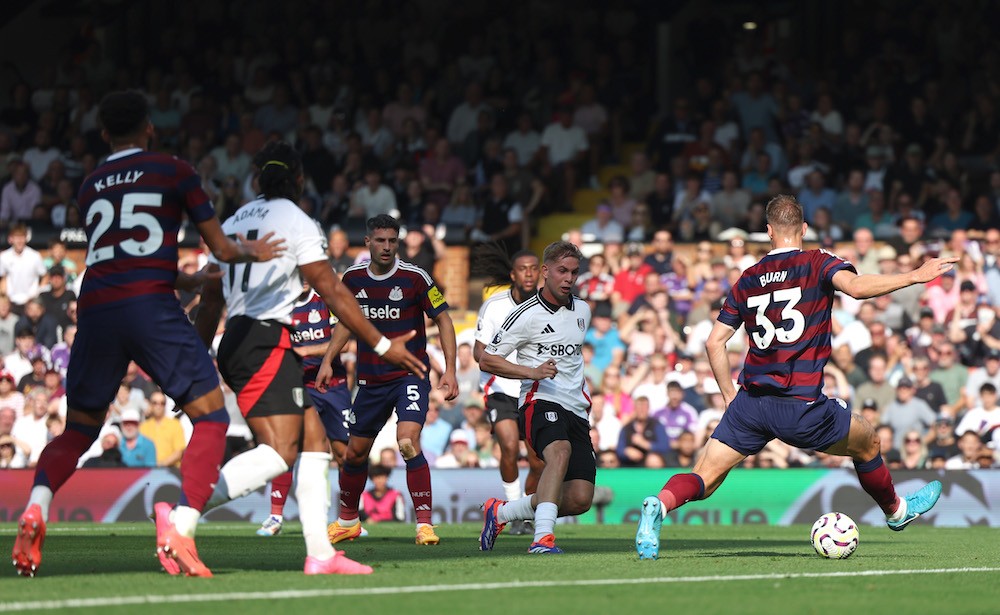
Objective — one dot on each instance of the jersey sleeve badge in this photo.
(435, 296)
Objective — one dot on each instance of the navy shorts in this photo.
(156, 334)
(751, 422)
(334, 408)
(374, 404)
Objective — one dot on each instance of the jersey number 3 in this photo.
(129, 219)
(790, 297)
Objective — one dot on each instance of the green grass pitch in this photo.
(702, 569)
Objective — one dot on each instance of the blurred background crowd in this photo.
(651, 134)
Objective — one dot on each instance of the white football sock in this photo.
(185, 519)
(312, 488)
(246, 472)
(512, 490)
(42, 496)
(545, 519)
(900, 511)
(518, 510)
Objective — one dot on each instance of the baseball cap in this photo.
(892, 455)
(944, 420)
(869, 403)
(886, 253)
(904, 382)
(967, 285)
(458, 436)
(130, 415)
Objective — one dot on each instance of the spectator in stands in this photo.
(440, 173)
(661, 201)
(465, 116)
(877, 387)
(45, 328)
(677, 415)
(671, 135)
(969, 447)
(434, 436)
(563, 150)
(137, 450)
(984, 417)
(165, 432)
(603, 227)
(756, 108)
(524, 141)
(373, 198)
(641, 436)
(422, 247)
(8, 326)
(907, 412)
(603, 336)
(730, 205)
(19, 196)
(950, 374)
(30, 428)
(380, 503)
(501, 217)
(620, 201)
(642, 179)
(459, 454)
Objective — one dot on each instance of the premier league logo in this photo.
(579, 322)
(496, 338)
(396, 294)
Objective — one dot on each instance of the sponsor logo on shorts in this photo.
(551, 417)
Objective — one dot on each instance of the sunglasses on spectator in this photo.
(917, 440)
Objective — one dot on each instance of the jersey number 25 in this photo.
(790, 297)
(128, 219)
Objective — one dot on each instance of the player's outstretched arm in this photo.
(345, 306)
(243, 251)
(192, 282)
(718, 358)
(499, 366)
(446, 333)
(210, 310)
(871, 285)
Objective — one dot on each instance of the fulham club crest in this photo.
(551, 417)
(579, 322)
(396, 294)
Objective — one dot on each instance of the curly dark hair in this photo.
(279, 167)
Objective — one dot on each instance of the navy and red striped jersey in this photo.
(312, 324)
(395, 303)
(785, 302)
(133, 206)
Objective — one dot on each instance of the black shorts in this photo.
(500, 407)
(544, 422)
(257, 361)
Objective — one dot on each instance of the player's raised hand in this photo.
(399, 356)
(323, 376)
(450, 383)
(934, 268)
(263, 249)
(547, 369)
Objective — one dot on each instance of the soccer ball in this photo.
(834, 535)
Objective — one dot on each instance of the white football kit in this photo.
(492, 314)
(268, 291)
(539, 331)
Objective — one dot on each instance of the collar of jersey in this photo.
(783, 250)
(384, 276)
(553, 307)
(124, 152)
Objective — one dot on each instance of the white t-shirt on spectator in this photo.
(23, 272)
(563, 143)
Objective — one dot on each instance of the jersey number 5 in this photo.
(790, 296)
(129, 219)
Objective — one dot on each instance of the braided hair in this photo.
(279, 167)
(491, 261)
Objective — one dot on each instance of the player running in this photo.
(501, 394)
(256, 357)
(134, 205)
(547, 332)
(784, 301)
(395, 296)
(312, 324)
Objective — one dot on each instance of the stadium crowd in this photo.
(893, 154)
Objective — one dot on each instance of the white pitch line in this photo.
(140, 527)
(6, 607)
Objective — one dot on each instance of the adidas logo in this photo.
(414, 406)
(422, 507)
(548, 329)
(361, 294)
(275, 494)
